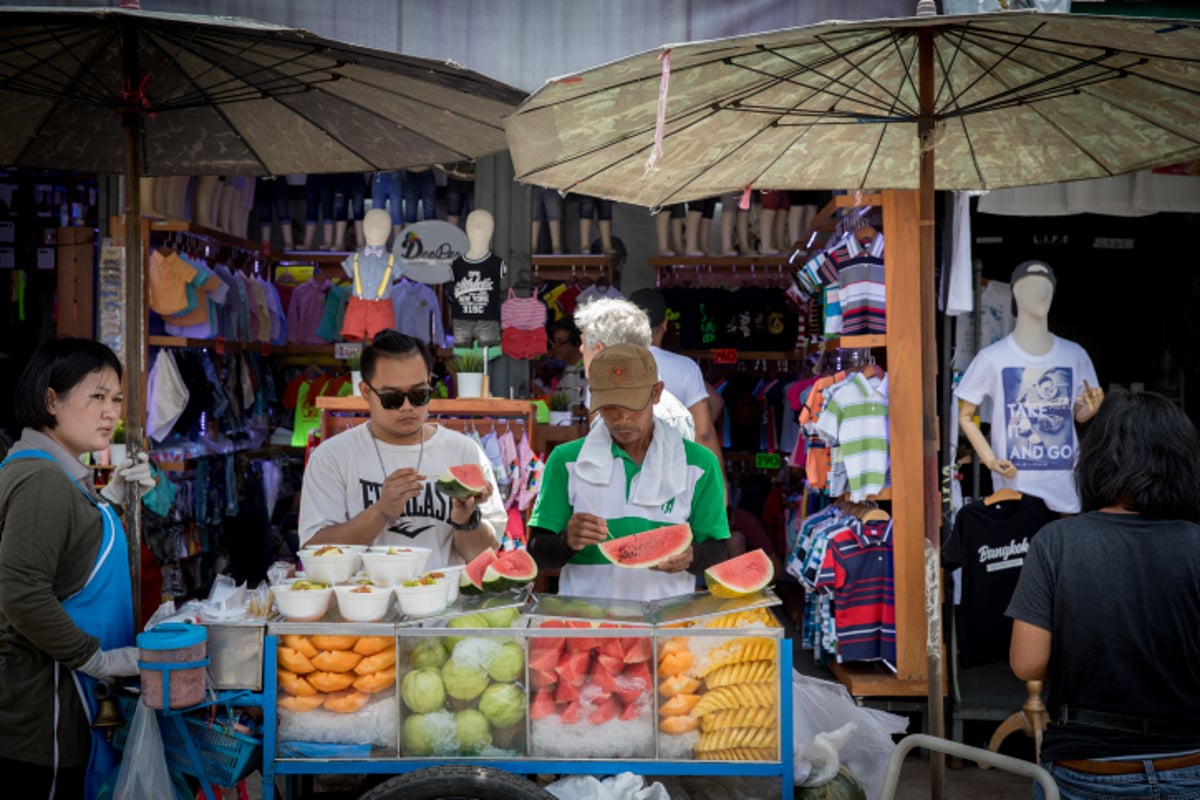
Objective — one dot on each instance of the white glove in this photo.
(120, 662)
(133, 470)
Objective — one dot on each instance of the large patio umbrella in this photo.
(148, 94)
(959, 102)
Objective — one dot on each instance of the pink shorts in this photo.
(523, 343)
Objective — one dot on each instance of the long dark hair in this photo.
(1142, 453)
(59, 364)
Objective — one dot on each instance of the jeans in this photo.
(547, 204)
(271, 195)
(386, 193)
(419, 186)
(348, 197)
(460, 197)
(1175, 784)
(318, 199)
(590, 206)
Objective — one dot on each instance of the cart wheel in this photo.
(458, 782)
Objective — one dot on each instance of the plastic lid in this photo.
(172, 636)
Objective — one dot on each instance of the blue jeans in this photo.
(419, 186)
(386, 194)
(318, 199)
(348, 197)
(460, 197)
(1175, 784)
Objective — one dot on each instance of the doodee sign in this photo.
(425, 249)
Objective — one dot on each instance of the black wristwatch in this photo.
(471, 525)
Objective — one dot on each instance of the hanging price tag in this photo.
(344, 350)
(219, 345)
(768, 460)
(724, 355)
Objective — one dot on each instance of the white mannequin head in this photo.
(377, 225)
(1033, 284)
(480, 227)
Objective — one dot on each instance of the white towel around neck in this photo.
(664, 471)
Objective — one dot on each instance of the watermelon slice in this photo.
(605, 711)
(637, 650)
(510, 569)
(544, 658)
(631, 695)
(471, 579)
(602, 678)
(632, 711)
(612, 646)
(539, 678)
(649, 548)
(572, 713)
(572, 667)
(465, 480)
(611, 664)
(741, 575)
(637, 674)
(543, 704)
(565, 693)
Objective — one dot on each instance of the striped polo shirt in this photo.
(858, 569)
(855, 419)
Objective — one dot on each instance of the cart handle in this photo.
(1029, 770)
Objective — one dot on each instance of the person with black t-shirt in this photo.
(1106, 610)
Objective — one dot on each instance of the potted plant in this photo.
(560, 408)
(116, 446)
(468, 373)
(354, 364)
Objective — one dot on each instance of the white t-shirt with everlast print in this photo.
(1033, 414)
(343, 477)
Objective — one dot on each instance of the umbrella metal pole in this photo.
(929, 368)
(135, 312)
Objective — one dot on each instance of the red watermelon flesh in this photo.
(635, 674)
(572, 713)
(602, 678)
(630, 696)
(638, 650)
(612, 647)
(741, 575)
(543, 704)
(649, 548)
(587, 643)
(573, 667)
(632, 711)
(565, 693)
(472, 575)
(463, 480)
(544, 659)
(540, 677)
(611, 664)
(605, 711)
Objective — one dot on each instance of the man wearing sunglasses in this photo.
(376, 483)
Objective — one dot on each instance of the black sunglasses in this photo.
(393, 400)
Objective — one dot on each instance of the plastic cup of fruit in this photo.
(394, 565)
(362, 603)
(328, 565)
(301, 605)
(453, 576)
(421, 600)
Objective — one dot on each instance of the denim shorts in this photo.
(547, 204)
(1174, 784)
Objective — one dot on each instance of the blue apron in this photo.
(102, 608)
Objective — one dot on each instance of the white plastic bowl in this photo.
(301, 605)
(357, 605)
(453, 576)
(330, 567)
(386, 568)
(421, 601)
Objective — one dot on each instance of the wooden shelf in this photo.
(774, 260)
(884, 494)
(466, 407)
(855, 342)
(265, 451)
(876, 680)
(856, 200)
(558, 434)
(221, 237)
(264, 347)
(748, 355)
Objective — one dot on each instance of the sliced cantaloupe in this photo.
(675, 644)
(678, 684)
(325, 641)
(294, 685)
(376, 681)
(293, 660)
(678, 724)
(381, 660)
(300, 644)
(675, 663)
(346, 702)
(679, 704)
(336, 660)
(301, 704)
(370, 645)
(331, 681)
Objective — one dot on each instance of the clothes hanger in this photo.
(1000, 495)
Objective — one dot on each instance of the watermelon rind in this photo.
(461, 481)
(511, 569)
(648, 548)
(470, 581)
(741, 575)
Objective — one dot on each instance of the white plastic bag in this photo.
(625, 786)
(820, 706)
(143, 773)
(821, 754)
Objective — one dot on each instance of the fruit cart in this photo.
(532, 685)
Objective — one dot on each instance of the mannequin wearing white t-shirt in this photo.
(1033, 292)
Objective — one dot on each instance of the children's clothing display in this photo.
(369, 309)
(523, 326)
(474, 299)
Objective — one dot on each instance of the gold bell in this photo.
(108, 715)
